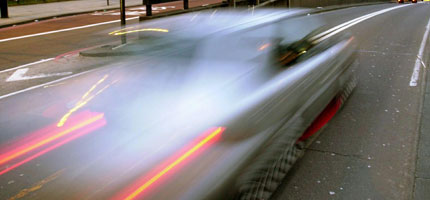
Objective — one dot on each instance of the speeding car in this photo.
(400, 1)
(414, 1)
(207, 105)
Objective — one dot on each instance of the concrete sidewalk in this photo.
(27, 13)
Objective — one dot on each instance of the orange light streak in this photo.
(184, 156)
(94, 86)
(113, 32)
(84, 100)
(12, 155)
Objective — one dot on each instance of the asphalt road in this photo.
(368, 151)
(16, 52)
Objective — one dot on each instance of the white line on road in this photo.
(418, 61)
(44, 84)
(63, 30)
(29, 64)
(19, 75)
(333, 31)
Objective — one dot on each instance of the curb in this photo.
(106, 51)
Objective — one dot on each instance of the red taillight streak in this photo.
(39, 135)
(322, 119)
(148, 180)
(44, 140)
(83, 132)
(97, 121)
(25, 141)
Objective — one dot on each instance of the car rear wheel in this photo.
(262, 178)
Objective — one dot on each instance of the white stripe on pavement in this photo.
(63, 30)
(333, 31)
(44, 84)
(416, 73)
(26, 65)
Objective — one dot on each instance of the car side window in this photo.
(294, 39)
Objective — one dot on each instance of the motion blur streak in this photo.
(89, 123)
(264, 46)
(123, 31)
(94, 86)
(38, 186)
(41, 141)
(213, 135)
(84, 100)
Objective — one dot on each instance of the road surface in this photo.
(368, 151)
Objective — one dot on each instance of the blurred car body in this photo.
(211, 105)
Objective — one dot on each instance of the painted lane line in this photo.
(26, 65)
(337, 27)
(329, 33)
(418, 61)
(64, 30)
(342, 29)
(19, 75)
(45, 84)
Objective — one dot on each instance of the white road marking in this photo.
(416, 73)
(111, 13)
(135, 11)
(333, 31)
(64, 30)
(19, 75)
(29, 64)
(44, 84)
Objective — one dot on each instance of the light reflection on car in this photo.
(208, 105)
